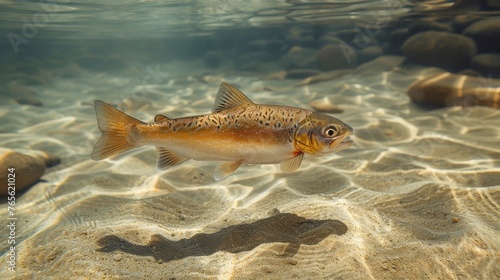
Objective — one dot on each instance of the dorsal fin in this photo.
(229, 97)
(159, 118)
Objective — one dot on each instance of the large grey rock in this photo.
(486, 34)
(487, 64)
(369, 53)
(336, 56)
(440, 49)
(382, 63)
(423, 25)
(395, 40)
(461, 22)
(299, 58)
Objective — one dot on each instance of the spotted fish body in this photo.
(237, 132)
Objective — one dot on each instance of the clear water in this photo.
(418, 193)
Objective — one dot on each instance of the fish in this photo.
(237, 132)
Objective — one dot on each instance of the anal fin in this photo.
(225, 169)
(167, 158)
(292, 164)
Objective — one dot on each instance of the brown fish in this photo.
(237, 132)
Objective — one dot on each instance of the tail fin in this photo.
(114, 125)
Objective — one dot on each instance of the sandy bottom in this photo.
(418, 193)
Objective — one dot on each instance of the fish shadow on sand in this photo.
(283, 228)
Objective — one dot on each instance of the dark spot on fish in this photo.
(189, 124)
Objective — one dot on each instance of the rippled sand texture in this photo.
(418, 194)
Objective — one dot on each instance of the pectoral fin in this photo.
(292, 164)
(225, 169)
(168, 159)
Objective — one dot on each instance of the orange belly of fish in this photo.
(261, 147)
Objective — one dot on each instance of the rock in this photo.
(256, 45)
(475, 5)
(50, 160)
(212, 79)
(338, 56)
(447, 89)
(326, 76)
(440, 49)
(301, 73)
(423, 25)
(486, 34)
(28, 170)
(491, 5)
(280, 75)
(348, 34)
(369, 53)
(469, 72)
(213, 59)
(461, 22)
(396, 39)
(298, 36)
(324, 105)
(382, 63)
(28, 101)
(329, 39)
(14, 90)
(487, 64)
(466, 5)
(299, 58)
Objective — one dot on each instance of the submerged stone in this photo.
(486, 34)
(487, 64)
(336, 56)
(440, 49)
(447, 89)
(27, 170)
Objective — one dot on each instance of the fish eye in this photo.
(330, 131)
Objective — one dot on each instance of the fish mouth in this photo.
(341, 144)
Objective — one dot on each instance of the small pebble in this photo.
(117, 257)
(29, 101)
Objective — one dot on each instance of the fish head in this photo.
(320, 134)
